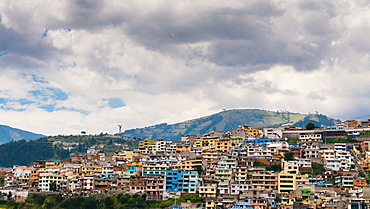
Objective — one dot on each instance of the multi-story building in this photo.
(155, 169)
(189, 182)
(208, 190)
(310, 136)
(155, 187)
(264, 181)
(46, 180)
(290, 166)
(286, 182)
(138, 184)
(333, 164)
(88, 182)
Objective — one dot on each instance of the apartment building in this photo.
(264, 181)
(286, 182)
(155, 187)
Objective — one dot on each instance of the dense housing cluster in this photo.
(284, 167)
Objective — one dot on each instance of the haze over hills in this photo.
(222, 121)
(226, 121)
(8, 134)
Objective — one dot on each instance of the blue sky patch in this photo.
(39, 79)
(49, 93)
(24, 101)
(3, 53)
(115, 103)
(3, 101)
(49, 108)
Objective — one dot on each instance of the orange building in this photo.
(359, 182)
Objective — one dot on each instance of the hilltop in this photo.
(226, 121)
(8, 134)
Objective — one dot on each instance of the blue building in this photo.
(262, 141)
(181, 181)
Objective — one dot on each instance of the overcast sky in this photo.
(68, 66)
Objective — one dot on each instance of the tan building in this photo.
(244, 132)
(286, 182)
(265, 181)
(208, 190)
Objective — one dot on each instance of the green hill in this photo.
(226, 121)
(22, 152)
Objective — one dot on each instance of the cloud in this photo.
(96, 64)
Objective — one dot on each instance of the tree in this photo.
(259, 164)
(310, 126)
(317, 168)
(53, 186)
(289, 156)
(124, 198)
(109, 203)
(275, 168)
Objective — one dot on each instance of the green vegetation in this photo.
(275, 168)
(365, 133)
(306, 172)
(120, 201)
(226, 121)
(340, 140)
(40, 149)
(289, 156)
(167, 203)
(317, 168)
(259, 164)
(310, 126)
(86, 141)
(306, 191)
(292, 141)
(43, 148)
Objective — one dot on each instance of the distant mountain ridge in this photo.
(8, 134)
(226, 121)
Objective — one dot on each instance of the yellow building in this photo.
(287, 182)
(310, 137)
(206, 141)
(223, 146)
(130, 154)
(208, 190)
(188, 165)
(145, 143)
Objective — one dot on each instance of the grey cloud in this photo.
(24, 51)
(258, 34)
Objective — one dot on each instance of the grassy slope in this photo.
(226, 121)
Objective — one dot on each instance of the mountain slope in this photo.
(8, 134)
(226, 121)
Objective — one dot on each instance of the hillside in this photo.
(44, 149)
(8, 134)
(226, 121)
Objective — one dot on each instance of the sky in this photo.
(72, 66)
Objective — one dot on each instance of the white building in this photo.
(45, 179)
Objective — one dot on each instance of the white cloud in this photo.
(169, 61)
